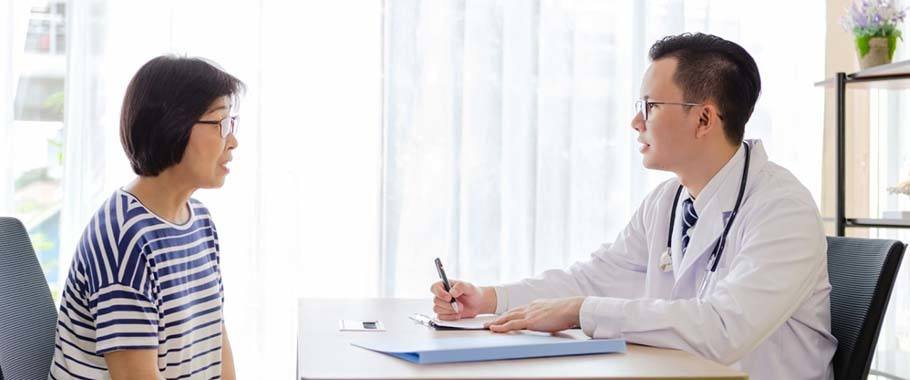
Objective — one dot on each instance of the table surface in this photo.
(324, 352)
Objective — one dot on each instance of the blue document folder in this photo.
(489, 347)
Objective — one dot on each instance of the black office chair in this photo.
(862, 274)
(27, 314)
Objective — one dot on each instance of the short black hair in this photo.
(710, 67)
(163, 101)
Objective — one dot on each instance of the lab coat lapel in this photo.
(708, 228)
(712, 218)
(676, 249)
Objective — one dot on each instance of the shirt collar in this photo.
(717, 181)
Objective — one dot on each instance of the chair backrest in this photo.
(862, 274)
(27, 314)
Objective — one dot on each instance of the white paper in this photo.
(475, 323)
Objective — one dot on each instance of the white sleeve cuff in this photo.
(602, 317)
(502, 299)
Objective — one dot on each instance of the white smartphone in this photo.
(352, 325)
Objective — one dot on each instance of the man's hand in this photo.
(549, 315)
(472, 300)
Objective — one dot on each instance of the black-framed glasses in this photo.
(228, 125)
(644, 107)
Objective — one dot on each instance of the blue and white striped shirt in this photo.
(140, 282)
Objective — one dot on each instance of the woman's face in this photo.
(205, 161)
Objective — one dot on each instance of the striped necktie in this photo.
(689, 219)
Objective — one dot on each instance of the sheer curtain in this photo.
(889, 164)
(13, 24)
(507, 143)
(375, 136)
(299, 213)
(7, 94)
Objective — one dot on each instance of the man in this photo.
(728, 260)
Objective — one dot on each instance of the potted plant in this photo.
(876, 28)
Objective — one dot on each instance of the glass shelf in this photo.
(891, 76)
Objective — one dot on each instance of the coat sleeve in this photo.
(614, 270)
(781, 256)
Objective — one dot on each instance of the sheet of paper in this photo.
(475, 323)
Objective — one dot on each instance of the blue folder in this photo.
(489, 347)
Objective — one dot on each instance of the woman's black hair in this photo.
(163, 101)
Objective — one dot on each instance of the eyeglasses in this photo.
(644, 107)
(228, 125)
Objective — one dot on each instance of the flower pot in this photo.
(875, 51)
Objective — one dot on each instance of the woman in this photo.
(143, 298)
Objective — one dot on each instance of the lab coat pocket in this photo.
(707, 280)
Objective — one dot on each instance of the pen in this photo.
(445, 282)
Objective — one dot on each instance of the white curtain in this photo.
(299, 213)
(13, 24)
(508, 146)
(7, 94)
(376, 136)
(889, 164)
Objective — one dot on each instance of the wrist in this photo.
(575, 308)
(489, 300)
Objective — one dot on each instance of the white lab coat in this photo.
(765, 311)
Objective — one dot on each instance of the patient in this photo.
(143, 298)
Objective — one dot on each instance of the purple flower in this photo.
(858, 18)
(873, 17)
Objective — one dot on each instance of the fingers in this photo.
(448, 317)
(446, 310)
(458, 289)
(439, 291)
(440, 306)
(442, 303)
(518, 313)
(515, 324)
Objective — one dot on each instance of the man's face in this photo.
(668, 136)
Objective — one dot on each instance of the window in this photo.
(37, 131)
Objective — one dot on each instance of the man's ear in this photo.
(707, 120)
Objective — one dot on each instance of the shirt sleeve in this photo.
(125, 318)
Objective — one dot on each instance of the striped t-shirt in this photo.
(140, 282)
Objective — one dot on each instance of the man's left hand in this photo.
(549, 315)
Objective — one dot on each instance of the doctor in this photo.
(728, 260)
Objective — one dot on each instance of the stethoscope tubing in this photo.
(718, 249)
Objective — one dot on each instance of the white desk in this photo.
(323, 352)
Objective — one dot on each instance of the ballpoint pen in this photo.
(445, 282)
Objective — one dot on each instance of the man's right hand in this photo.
(472, 300)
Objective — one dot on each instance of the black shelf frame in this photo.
(892, 76)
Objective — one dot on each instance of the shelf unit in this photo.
(892, 76)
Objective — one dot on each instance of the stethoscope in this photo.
(666, 262)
